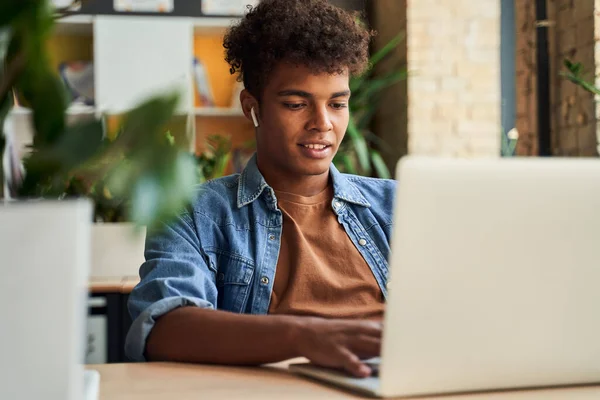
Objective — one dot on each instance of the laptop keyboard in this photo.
(373, 363)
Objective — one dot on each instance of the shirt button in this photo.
(337, 204)
(271, 237)
(221, 276)
(264, 280)
(362, 242)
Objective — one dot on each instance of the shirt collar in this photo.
(251, 184)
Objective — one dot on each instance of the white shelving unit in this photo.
(135, 57)
(84, 24)
(218, 112)
(140, 56)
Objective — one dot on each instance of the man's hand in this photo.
(339, 343)
(193, 334)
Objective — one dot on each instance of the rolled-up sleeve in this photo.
(175, 274)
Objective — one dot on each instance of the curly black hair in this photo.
(311, 33)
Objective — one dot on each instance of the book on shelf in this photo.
(203, 87)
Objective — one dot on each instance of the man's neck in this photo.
(308, 185)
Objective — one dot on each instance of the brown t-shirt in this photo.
(320, 271)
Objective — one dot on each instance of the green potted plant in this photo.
(357, 154)
(115, 250)
(148, 167)
(213, 161)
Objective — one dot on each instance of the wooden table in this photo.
(158, 381)
(116, 284)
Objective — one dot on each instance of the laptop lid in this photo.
(45, 261)
(494, 279)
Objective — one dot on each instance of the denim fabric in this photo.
(222, 252)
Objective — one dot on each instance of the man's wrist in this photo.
(295, 330)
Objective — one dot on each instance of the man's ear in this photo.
(250, 107)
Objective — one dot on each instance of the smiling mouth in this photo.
(315, 146)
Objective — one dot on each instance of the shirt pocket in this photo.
(234, 274)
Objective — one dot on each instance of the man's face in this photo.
(303, 119)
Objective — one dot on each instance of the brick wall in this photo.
(574, 111)
(453, 50)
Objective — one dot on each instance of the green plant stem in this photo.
(582, 83)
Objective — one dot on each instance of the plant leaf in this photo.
(144, 126)
(10, 10)
(346, 164)
(582, 83)
(163, 192)
(360, 147)
(157, 173)
(38, 86)
(145, 199)
(387, 49)
(222, 163)
(357, 82)
(79, 143)
(76, 146)
(381, 168)
(363, 121)
(5, 36)
(574, 72)
(574, 68)
(378, 84)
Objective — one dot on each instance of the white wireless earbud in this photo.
(254, 119)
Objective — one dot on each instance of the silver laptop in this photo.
(494, 278)
(44, 267)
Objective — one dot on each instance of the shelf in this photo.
(219, 112)
(223, 112)
(212, 25)
(75, 25)
(83, 24)
(72, 110)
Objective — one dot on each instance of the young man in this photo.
(288, 259)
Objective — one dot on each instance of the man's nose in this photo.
(320, 120)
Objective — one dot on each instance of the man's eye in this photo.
(294, 106)
(339, 106)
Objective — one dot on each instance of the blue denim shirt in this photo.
(222, 252)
